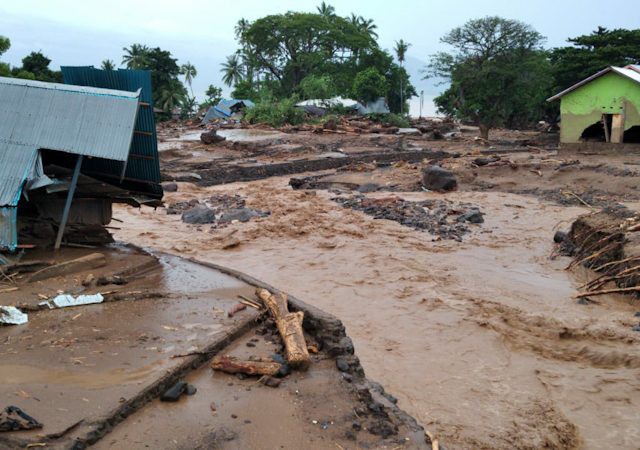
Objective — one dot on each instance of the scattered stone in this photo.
(368, 187)
(211, 137)
(199, 215)
(560, 236)
(342, 365)
(436, 178)
(241, 214)
(637, 314)
(270, 381)
(170, 187)
(439, 217)
(471, 216)
(485, 161)
(636, 328)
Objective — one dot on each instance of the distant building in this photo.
(602, 108)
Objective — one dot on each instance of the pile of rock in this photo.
(439, 217)
(220, 210)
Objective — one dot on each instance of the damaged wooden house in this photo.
(69, 151)
(602, 111)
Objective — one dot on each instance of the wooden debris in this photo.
(236, 309)
(91, 261)
(608, 291)
(289, 326)
(230, 364)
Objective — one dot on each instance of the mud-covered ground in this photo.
(480, 338)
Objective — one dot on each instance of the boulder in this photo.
(485, 161)
(471, 216)
(199, 215)
(436, 178)
(211, 137)
(170, 187)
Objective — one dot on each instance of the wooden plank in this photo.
(617, 128)
(607, 138)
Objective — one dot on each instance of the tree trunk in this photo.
(484, 131)
(290, 328)
(230, 364)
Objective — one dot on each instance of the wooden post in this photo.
(617, 128)
(67, 205)
(607, 137)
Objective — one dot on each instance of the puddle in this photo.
(249, 135)
(181, 276)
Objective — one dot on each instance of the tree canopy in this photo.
(498, 71)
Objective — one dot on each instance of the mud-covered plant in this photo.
(275, 113)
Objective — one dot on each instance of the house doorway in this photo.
(610, 128)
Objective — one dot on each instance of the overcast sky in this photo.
(74, 32)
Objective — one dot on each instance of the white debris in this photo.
(10, 315)
(66, 300)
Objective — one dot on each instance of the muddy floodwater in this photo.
(480, 340)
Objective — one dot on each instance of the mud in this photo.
(481, 340)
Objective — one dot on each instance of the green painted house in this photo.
(602, 108)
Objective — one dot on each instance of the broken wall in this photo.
(608, 94)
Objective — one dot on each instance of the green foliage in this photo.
(214, 94)
(317, 87)
(108, 64)
(232, 69)
(391, 120)
(168, 90)
(37, 64)
(275, 113)
(24, 74)
(499, 74)
(5, 70)
(5, 44)
(593, 52)
(369, 85)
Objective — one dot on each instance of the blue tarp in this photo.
(226, 108)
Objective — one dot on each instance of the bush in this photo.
(317, 87)
(275, 113)
(391, 120)
(369, 85)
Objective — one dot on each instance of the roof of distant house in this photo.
(632, 72)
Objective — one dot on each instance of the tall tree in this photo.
(5, 44)
(498, 71)
(232, 70)
(401, 51)
(108, 64)
(593, 52)
(326, 10)
(189, 72)
(136, 56)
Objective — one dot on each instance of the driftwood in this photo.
(608, 291)
(230, 364)
(290, 327)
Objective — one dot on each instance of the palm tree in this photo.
(241, 27)
(189, 71)
(401, 51)
(232, 69)
(369, 27)
(108, 64)
(172, 95)
(326, 10)
(135, 57)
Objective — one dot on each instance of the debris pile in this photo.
(439, 217)
(607, 242)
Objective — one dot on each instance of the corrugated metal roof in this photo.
(74, 119)
(143, 166)
(624, 71)
(16, 164)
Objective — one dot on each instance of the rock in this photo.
(485, 161)
(560, 236)
(471, 216)
(199, 215)
(89, 280)
(271, 381)
(636, 328)
(170, 187)
(240, 214)
(211, 137)
(436, 178)
(342, 364)
(368, 187)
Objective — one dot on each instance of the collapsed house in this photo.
(227, 110)
(68, 151)
(604, 108)
(319, 107)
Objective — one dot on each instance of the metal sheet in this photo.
(8, 228)
(75, 119)
(16, 166)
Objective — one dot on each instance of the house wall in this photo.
(610, 94)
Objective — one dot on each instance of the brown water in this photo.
(481, 341)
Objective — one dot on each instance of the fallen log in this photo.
(290, 328)
(88, 262)
(230, 364)
(608, 291)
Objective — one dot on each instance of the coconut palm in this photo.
(326, 10)
(173, 94)
(108, 64)
(241, 27)
(135, 57)
(189, 71)
(369, 27)
(232, 70)
(401, 51)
